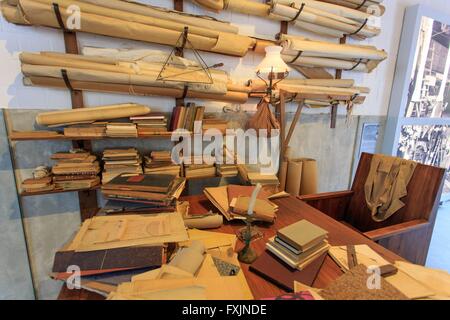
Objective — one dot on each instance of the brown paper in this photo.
(309, 177)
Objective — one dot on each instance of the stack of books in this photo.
(38, 185)
(120, 161)
(212, 123)
(161, 162)
(75, 170)
(150, 124)
(121, 130)
(299, 244)
(152, 189)
(227, 170)
(96, 129)
(184, 117)
(254, 175)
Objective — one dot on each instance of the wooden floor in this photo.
(290, 211)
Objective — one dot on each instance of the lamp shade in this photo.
(273, 61)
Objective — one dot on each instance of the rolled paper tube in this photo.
(133, 17)
(319, 90)
(230, 96)
(309, 177)
(335, 9)
(189, 259)
(260, 85)
(292, 45)
(326, 63)
(208, 222)
(261, 45)
(248, 7)
(294, 176)
(215, 5)
(321, 30)
(290, 13)
(91, 114)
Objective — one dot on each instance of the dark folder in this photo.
(272, 269)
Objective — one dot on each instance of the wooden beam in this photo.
(334, 108)
(87, 199)
(297, 116)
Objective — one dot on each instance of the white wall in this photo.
(14, 39)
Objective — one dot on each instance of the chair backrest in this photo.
(423, 190)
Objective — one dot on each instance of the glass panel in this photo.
(428, 145)
(429, 89)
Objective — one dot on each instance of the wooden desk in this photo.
(291, 210)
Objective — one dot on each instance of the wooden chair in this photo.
(408, 232)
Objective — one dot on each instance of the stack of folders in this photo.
(299, 244)
(150, 124)
(121, 130)
(161, 162)
(120, 161)
(152, 189)
(75, 170)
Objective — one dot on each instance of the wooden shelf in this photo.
(29, 194)
(32, 136)
(36, 135)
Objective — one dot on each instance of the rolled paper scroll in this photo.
(207, 222)
(91, 114)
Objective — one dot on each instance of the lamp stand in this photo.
(247, 254)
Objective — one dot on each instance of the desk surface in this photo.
(290, 211)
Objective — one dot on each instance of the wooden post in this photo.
(282, 120)
(334, 108)
(87, 199)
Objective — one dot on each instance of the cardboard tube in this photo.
(309, 177)
(294, 176)
(284, 168)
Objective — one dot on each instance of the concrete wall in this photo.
(49, 221)
(15, 278)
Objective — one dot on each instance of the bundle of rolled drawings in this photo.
(304, 52)
(131, 20)
(133, 72)
(327, 19)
